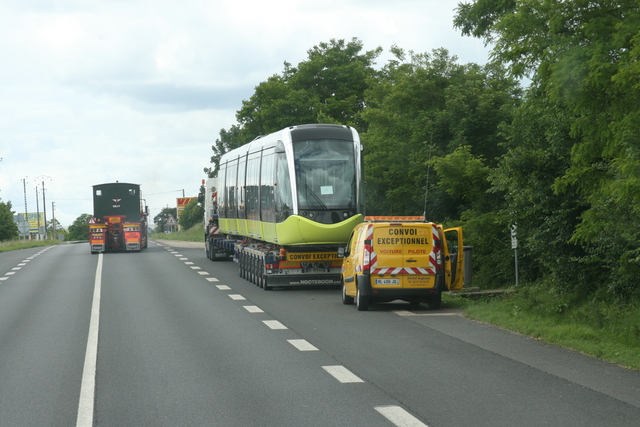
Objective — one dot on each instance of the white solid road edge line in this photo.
(399, 416)
(87, 390)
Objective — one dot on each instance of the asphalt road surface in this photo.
(166, 337)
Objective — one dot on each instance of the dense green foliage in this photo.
(465, 144)
(161, 219)
(8, 227)
(191, 215)
(571, 175)
(79, 230)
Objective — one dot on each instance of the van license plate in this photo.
(387, 281)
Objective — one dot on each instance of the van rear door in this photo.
(416, 248)
(453, 257)
(402, 255)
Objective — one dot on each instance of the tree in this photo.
(192, 214)
(54, 225)
(423, 108)
(8, 227)
(328, 87)
(233, 138)
(582, 57)
(79, 230)
(161, 219)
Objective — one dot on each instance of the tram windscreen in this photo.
(325, 174)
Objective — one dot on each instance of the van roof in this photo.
(395, 219)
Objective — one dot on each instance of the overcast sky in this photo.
(138, 90)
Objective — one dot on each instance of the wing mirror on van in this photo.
(342, 252)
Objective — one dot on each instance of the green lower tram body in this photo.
(295, 230)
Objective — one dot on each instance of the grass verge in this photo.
(25, 244)
(598, 328)
(194, 234)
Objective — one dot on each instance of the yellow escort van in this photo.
(405, 258)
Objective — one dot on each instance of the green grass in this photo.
(25, 244)
(605, 330)
(194, 234)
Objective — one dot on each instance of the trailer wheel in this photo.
(241, 265)
(265, 284)
(362, 301)
(254, 275)
(260, 274)
(346, 299)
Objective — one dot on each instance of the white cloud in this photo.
(138, 90)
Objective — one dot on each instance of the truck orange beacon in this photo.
(401, 258)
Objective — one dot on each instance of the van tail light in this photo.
(366, 257)
(437, 252)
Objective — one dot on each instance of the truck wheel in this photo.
(346, 299)
(362, 302)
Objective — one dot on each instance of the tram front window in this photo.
(325, 174)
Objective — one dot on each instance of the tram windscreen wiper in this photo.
(315, 196)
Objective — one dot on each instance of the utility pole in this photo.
(26, 215)
(53, 210)
(44, 208)
(37, 214)
(44, 203)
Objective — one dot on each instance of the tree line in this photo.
(470, 145)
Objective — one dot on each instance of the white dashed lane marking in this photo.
(303, 345)
(393, 413)
(342, 374)
(399, 416)
(274, 324)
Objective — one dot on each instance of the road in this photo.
(183, 341)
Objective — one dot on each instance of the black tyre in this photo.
(414, 303)
(435, 302)
(362, 301)
(265, 284)
(346, 299)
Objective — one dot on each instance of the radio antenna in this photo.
(426, 190)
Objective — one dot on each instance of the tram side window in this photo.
(222, 199)
(232, 168)
(267, 213)
(240, 188)
(252, 193)
(284, 199)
